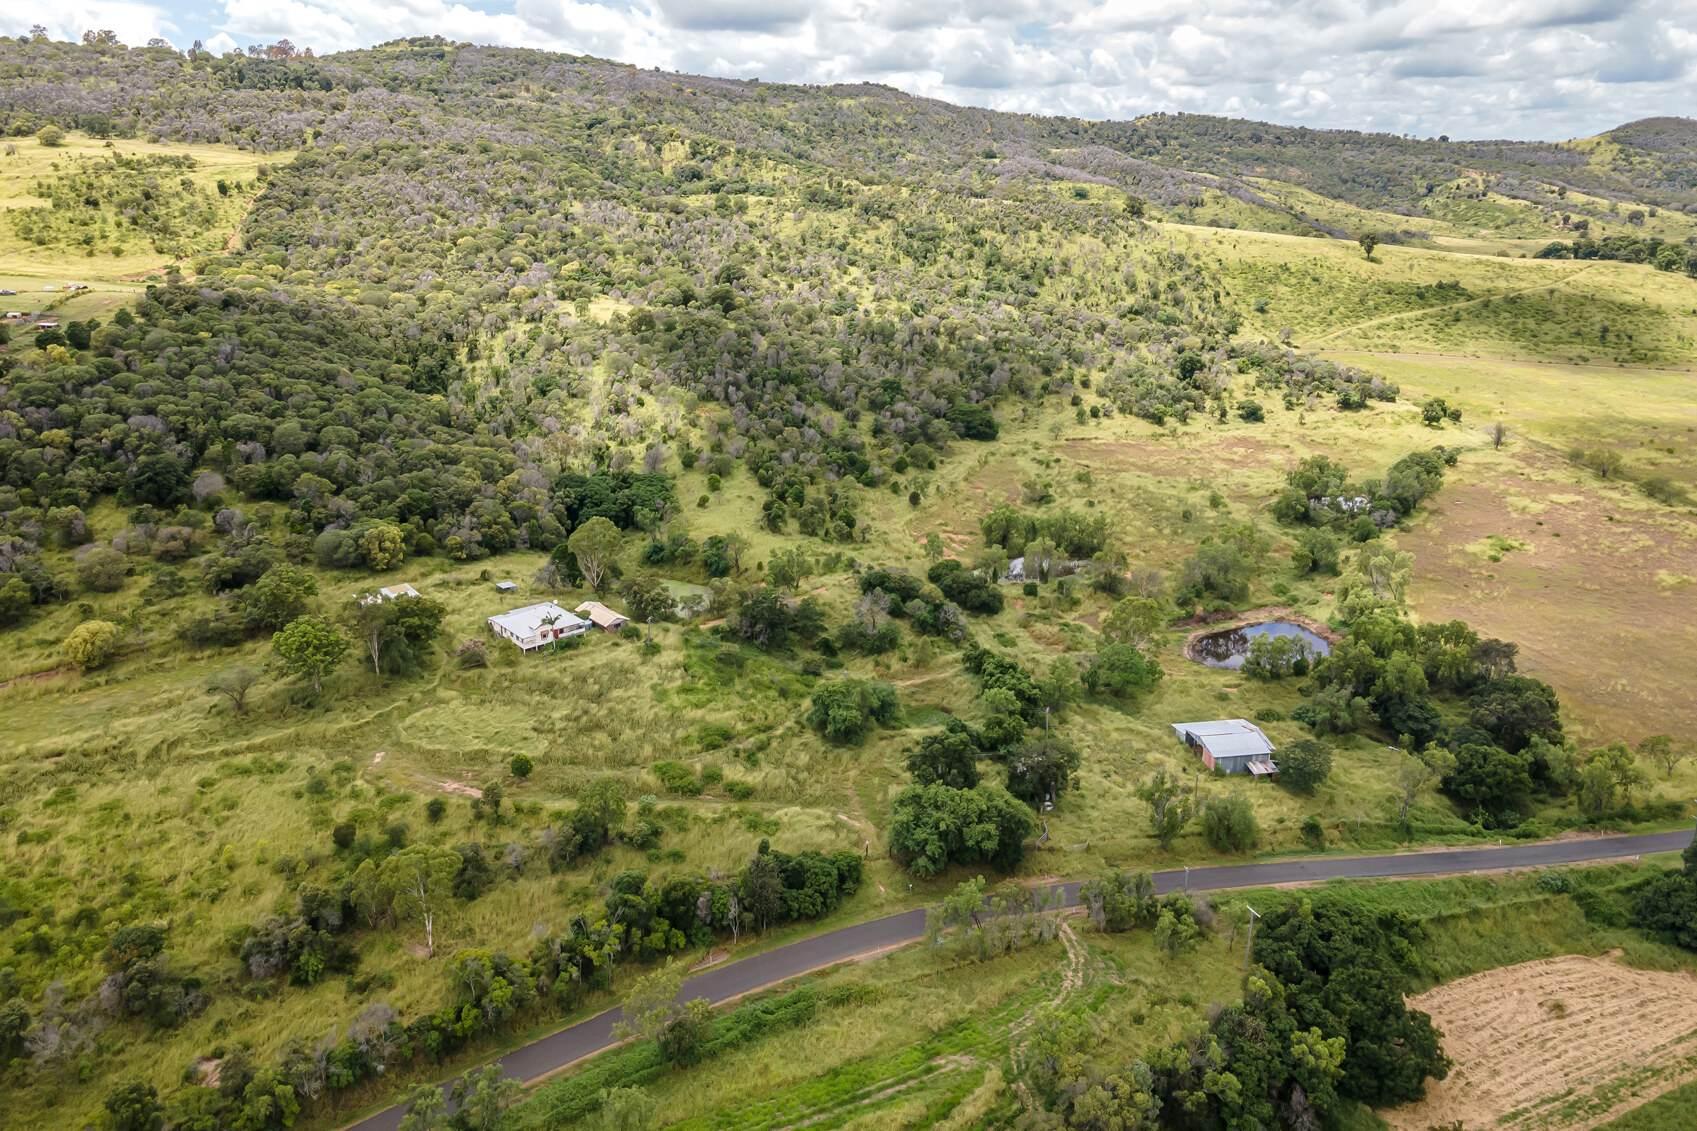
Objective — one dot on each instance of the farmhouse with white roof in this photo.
(534, 626)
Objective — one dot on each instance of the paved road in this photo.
(733, 979)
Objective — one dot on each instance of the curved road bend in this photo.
(721, 983)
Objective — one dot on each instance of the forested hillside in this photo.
(512, 246)
(579, 258)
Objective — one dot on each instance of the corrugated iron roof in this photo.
(1226, 738)
(527, 622)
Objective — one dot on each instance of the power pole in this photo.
(1249, 947)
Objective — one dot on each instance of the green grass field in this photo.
(136, 771)
(113, 263)
(1419, 300)
(1671, 1111)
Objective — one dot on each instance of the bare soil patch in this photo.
(1561, 1044)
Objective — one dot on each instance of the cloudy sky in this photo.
(1469, 68)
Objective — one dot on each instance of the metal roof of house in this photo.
(527, 622)
(601, 615)
(1226, 738)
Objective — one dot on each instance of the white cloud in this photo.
(1517, 68)
(135, 22)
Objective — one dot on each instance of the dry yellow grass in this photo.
(1560, 1044)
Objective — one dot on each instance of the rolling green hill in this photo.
(789, 374)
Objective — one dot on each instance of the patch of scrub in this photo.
(1493, 548)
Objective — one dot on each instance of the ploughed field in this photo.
(1560, 1044)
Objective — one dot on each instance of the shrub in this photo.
(714, 736)
(1041, 767)
(677, 777)
(1121, 671)
(949, 756)
(435, 809)
(1313, 832)
(1120, 900)
(15, 600)
(92, 644)
(844, 710)
(934, 826)
(102, 569)
(521, 765)
(1176, 927)
(1494, 785)
(1304, 764)
(1228, 825)
(1667, 904)
(1348, 969)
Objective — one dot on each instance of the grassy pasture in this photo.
(1410, 299)
(1614, 569)
(1670, 1111)
(134, 779)
(26, 266)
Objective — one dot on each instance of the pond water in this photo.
(687, 594)
(1228, 648)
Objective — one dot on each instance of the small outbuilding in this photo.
(1231, 746)
(389, 593)
(536, 626)
(506, 587)
(607, 620)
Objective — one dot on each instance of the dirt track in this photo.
(1561, 1044)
